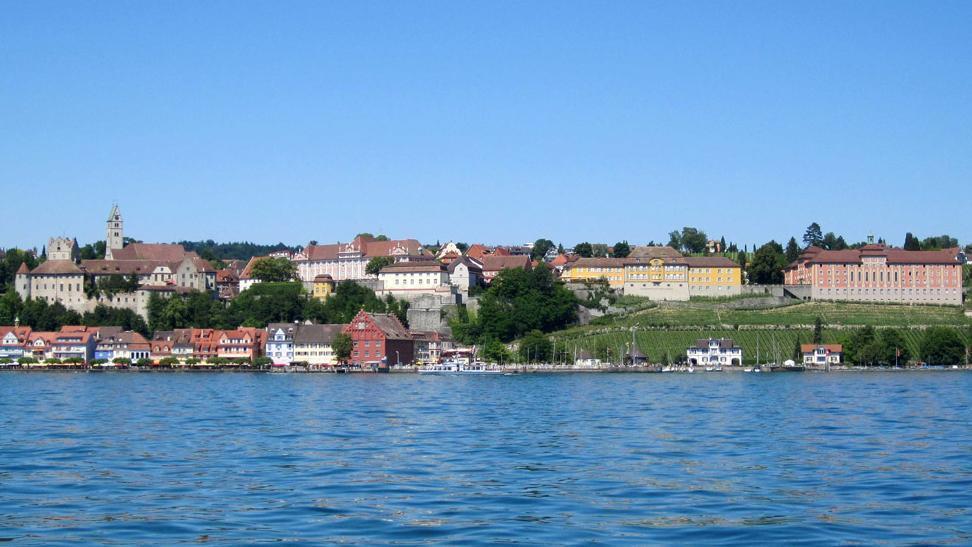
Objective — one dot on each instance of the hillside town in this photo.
(422, 290)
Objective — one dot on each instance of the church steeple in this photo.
(114, 233)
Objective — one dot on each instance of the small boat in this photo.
(452, 367)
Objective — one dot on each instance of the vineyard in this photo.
(670, 328)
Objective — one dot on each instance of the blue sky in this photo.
(498, 122)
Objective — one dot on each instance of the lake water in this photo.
(545, 459)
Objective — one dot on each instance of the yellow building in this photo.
(713, 276)
(593, 269)
(323, 287)
(660, 278)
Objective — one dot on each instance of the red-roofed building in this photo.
(75, 342)
(822, 354)
(348, 260)
(380, 340)
(876, 273)
(14, 342)
(494, 264)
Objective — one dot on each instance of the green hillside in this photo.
(670, 328)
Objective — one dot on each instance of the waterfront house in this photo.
(244, 343)
(314, 344)
(118, 344)
(379, 340)
(715, 352)
(75, 342)
(14, 342)
(822, 355)
(280, 342)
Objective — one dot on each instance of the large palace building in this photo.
(876, 273)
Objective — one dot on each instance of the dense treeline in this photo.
(237, 250)
(518, 302)
(41, 316)
(265, 303)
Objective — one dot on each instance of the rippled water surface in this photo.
(611, 458)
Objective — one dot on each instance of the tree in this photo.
(599, 249)
(495, 351)
(342, 344)
(722, 244)
(693, 240)
(911, 243)
(583, 250)
(767, 265)
(813, 235)
(535, 347)
(862, 347)
(262, 362)
(675, 239)
(377, 263)
(818, 331)
(942, 346)
(274, 270)
(540, 248)
(792, 250)
(517, 302)
(622, 249)
(940, 242)
(892, 348)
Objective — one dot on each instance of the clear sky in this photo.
(498, 122)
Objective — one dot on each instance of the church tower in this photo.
(114, 235)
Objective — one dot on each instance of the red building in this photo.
(380, 340)
(876, 273)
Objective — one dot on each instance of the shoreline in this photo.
(512, 370)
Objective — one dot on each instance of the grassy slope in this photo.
(672, 327)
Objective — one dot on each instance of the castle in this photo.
(125, 278)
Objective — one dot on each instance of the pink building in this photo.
(876, 273)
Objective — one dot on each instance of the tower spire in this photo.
(114, 232)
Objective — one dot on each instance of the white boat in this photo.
(452, 367)
(479, 367)
(449, 367)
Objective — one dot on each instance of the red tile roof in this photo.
(495, 263)
(166, 252)
(832, 348)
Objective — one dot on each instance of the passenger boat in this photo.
(452, 367)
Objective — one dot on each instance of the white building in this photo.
(822, 355)
(408, 280)
(465, 272)
(348, 260)
(715, 352)
(280, 342)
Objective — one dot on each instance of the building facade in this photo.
(379, 341)
(715, 352)
(348, 260)
(876, 273)
(822, 355)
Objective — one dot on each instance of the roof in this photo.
(317, 334)
(831, 348)
(23, 268)
(654, 251)
(166, 252)
(368, 247)
(406, 267)
(389, 325)
(710, 262)
(226, 275)
(247, 272)
(22, 333)
(470, 263)
(724, 343)
(495, 263)
(319, 278)
(57, 267)
(124, 267)
(893, 255)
